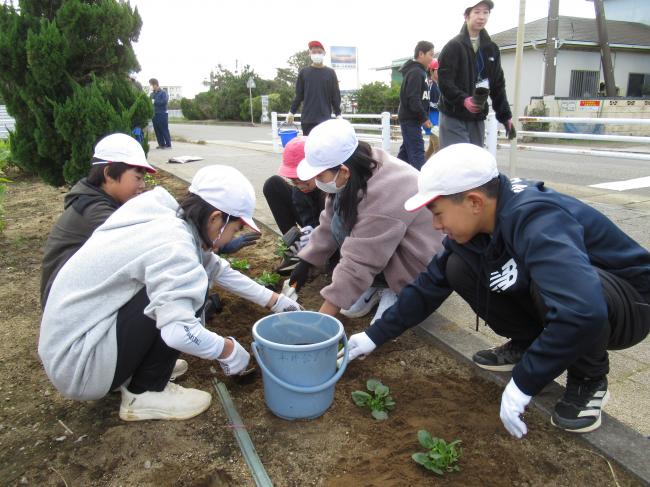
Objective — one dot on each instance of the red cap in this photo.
(316, 44)
(294, 152)
(434, 64)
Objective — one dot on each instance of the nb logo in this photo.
(500, 281)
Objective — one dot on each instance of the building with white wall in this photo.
(579, 68)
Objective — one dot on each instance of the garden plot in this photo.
(46, 439)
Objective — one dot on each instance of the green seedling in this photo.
(269, 279)
(441, 456)
(239, 264)
(150, 181)
(379, 402)
(280, 248)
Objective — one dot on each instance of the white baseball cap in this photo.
(121, 148)
(454, 169)
(226, 189)
(329, 144)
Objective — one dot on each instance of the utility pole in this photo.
(552, 43)
(605, 53)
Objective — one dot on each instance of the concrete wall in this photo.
(532, 76)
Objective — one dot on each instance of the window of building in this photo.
(638, 84)
(584, 84)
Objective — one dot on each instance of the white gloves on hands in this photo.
(359, 345)
(513, 403)
(237, 361)
(305, 235)
(285, 303)
(289, 117)
(288, 291)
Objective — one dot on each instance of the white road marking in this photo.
(624, 185)
(261, 141)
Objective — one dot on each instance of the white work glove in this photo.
(359, 345)
(289, 117)
(285, 303)
(237, 361)
(288, 291)
(305, 235)
(513, 403)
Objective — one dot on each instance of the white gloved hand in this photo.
(289, 117)
(237, 361)
(513, 403)
(359, 345)
(285, 303)
(288, 291)
(305, 235)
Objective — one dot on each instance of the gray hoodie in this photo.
(143, 243)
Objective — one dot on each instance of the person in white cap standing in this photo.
(127, 302)
(470, 68)
(543, 269)
(116, 175)
(382, 246)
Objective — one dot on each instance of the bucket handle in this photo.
(305, 389)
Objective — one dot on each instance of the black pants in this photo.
(523, 320)
(142, 354)
(412, 148)
(278, 195)
(307, 127)
(161, 128)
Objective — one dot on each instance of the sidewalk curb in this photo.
(613, 439)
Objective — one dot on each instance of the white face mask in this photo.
(317, 58)
(330, 187)
(214, 242)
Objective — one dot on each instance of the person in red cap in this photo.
(470, 68)
(434, 114)
(317, 88)
(295, 204)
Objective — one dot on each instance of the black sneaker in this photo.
(288, 264)
(579, 409)
(500, 359)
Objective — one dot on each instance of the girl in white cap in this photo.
(382, 246)
(126, 304)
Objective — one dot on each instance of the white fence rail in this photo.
(382, 128)
(492, 133)
(7, 123)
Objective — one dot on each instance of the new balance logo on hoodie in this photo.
(500, 281)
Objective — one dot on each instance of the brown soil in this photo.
(345, 447)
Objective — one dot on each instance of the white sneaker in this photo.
(179, 369)
(363, 305)
(175, 402)
(387, 299)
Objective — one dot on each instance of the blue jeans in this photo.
(161, 128)
(412, 149)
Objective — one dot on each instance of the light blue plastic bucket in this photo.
(297, 354)
(287, 132)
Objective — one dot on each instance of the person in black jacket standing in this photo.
(317, 88)
(414, 104)
(543, 269)
(470, 64)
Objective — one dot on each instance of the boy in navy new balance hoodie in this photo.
(543, 269)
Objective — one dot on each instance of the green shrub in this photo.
(278, 102)
(538, 110)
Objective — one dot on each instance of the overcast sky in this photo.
(182, 40)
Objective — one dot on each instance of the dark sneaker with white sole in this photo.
(580, 408)
(499, 359)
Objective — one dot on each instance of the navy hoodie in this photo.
(544, 237)
(413, 93)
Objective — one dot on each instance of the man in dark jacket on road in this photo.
(414, 104)
(317, 88)
(543, 269)
(160, 117)
(470, 68)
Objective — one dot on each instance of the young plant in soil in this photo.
(280, 248)
(269, 279)
(440, 456)
(239, 264)
(379, 402)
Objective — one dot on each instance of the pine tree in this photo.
(64, 76)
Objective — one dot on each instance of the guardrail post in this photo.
(274, 131)
(491, 130)
(385, 131)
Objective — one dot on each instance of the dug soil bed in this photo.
(46, 439)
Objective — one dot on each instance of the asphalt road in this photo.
(554, 168)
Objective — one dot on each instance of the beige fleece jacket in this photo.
(385, 237)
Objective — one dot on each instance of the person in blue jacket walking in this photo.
(160, 116)
(551, 273)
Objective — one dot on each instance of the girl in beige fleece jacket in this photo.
(382, 247)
